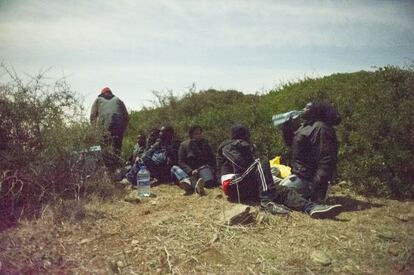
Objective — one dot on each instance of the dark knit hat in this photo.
(238, 131)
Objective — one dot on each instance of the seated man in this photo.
(161, 156)
(153, 136)
(193, 154)
(314, 149)
(139, 148)
(245, 178)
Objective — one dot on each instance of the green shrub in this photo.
(42, 126)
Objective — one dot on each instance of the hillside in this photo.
(175, 234)
(376, 134)
(56, 217)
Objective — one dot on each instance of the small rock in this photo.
(262, 219)
(46, 263)
(215, 238)
(132, 197)
(134, 242)
(120, 264)
(406, 217)
(83, 241)
(239, 214)
(393, 249)
(321, 258)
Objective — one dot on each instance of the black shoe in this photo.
(320, 211)
(199, 187)
(274, 208)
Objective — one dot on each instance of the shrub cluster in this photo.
(42, 131)
(376, 134)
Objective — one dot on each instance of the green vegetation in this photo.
(42, 126)
(376, 133)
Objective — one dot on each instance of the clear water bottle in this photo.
(143, 182)
(279, 119)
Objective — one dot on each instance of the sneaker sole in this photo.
(185, 186)
(327, 213)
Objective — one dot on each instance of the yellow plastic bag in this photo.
(284, 170)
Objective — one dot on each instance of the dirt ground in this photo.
(171, 233)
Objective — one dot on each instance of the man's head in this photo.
(154, 133)
(166, 133)
(195, 132)
(141, 139)
(238, 131)
(106, 90)
(322, 111)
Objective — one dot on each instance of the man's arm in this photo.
(182, 155)
(326, 154)
(94, 112)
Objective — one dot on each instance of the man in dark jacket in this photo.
(139, 148)
(110, 114)
(244, 177)
(193, 154)
(153, 136)
(314, 150)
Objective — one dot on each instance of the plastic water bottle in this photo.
(143, 182)
(282, 118)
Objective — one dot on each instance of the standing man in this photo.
(110, 114)
(314, 150)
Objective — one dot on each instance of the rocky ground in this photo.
(171, 233)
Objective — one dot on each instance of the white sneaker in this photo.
(185, 184)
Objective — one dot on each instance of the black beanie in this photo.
(238, 131)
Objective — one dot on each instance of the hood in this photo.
(239, 131)
(106, 95)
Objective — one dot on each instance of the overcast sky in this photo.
(136, 47)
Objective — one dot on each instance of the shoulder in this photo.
(185, 143)
(98, 100)
(224, 143)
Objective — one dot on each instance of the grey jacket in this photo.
(110, 112)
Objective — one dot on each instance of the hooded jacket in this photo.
(314, 144)
(234, 156)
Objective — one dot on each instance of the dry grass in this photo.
(179, 234)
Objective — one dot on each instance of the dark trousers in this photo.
(257, 182)
(112, 145)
